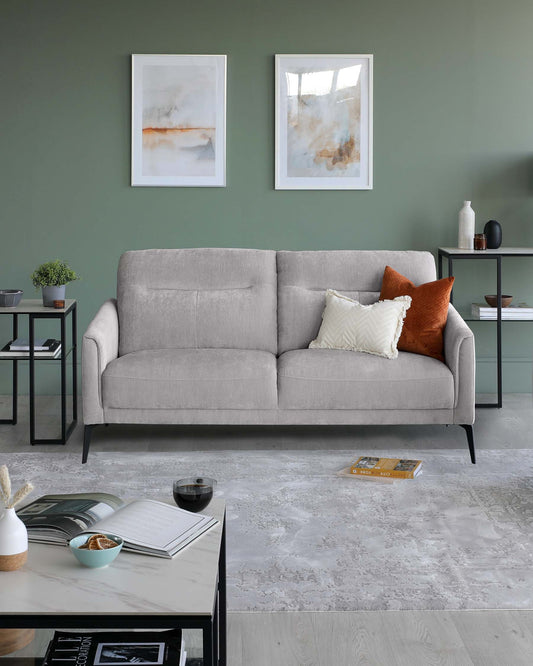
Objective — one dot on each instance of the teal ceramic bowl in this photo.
(94, 558)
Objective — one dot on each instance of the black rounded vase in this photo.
(493, 232)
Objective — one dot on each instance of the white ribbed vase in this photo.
(467, 223)
(13, 541)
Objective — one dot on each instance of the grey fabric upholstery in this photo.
(197, 298)
(99, 347)
(194, 336)
(289, 417)
(191, 379)
(303, 278)
(460, 356)
(334, 379)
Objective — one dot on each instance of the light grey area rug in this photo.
(300, 538)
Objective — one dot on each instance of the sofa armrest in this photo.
(459, 352)
(99, 347)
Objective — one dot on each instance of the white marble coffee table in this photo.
(136, 591)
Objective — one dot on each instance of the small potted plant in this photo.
(52, 277)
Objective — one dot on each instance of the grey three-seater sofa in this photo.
(220, 336)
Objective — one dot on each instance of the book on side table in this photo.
(519, 312)
(147, 526)
(39, 344)
(48, 349)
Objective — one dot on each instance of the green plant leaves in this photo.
(53, 274)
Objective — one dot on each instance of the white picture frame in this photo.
(324, 109)
(178, 120)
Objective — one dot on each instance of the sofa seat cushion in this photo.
(191, 379)
(334, 379)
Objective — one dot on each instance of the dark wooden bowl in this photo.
(492, 300)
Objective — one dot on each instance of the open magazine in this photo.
(147, 526)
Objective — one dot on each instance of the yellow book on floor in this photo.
(345, 473)
(397, 468)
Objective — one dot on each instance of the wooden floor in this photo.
(381, 638)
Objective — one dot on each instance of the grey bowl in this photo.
(10, 298)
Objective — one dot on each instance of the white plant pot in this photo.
(51, 294)
(13, 541)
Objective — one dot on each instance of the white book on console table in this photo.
(523, 317)
(512, 312)
(510, 315)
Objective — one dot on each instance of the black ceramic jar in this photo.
(493, 232)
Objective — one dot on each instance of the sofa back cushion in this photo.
(197, 298)
(303, 278)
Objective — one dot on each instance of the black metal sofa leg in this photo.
(87, 431)
(470, 437)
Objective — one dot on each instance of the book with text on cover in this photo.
(397, 468)
(147, 526)
(147, 648)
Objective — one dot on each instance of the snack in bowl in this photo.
(96, 550)
(98, 542)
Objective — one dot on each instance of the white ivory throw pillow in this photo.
(375, 329)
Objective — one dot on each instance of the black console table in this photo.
(453, 253)
(34, 309)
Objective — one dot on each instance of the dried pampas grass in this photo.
(5, 485)
(5, 490)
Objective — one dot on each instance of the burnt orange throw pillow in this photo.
(425, 320)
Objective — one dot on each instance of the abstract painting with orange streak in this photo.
(179, 120)
(324, 122)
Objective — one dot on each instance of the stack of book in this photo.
(43, 348)
(152, 648)
(518, 312)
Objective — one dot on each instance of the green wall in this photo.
(453, 98)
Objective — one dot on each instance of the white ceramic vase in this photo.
(13, 541)
(467, 223)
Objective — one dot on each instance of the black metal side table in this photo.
(34, 309)
(453, 253)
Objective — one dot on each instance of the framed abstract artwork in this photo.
(178, 126)
(324, 122)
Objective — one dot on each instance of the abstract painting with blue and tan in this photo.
(324, 122)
